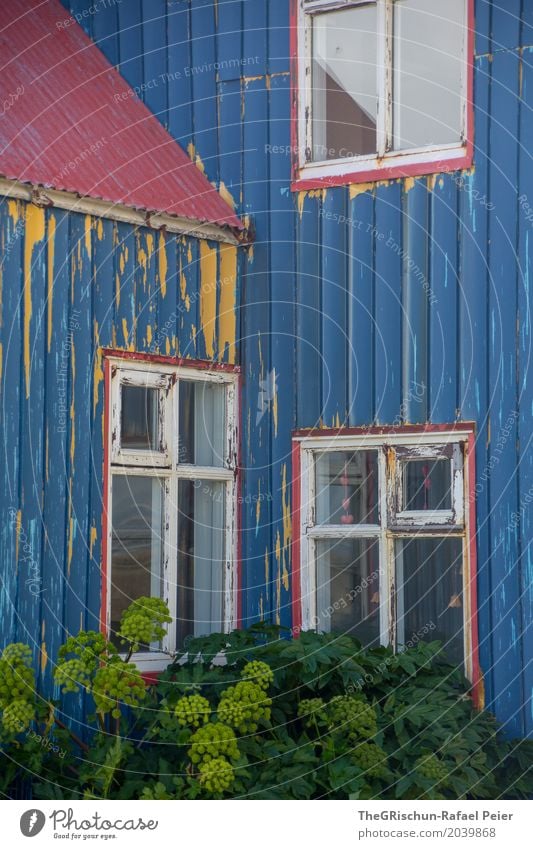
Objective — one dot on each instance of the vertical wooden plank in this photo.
(103, 304)
(204, 92)
(334, 308)
(155, 57)
(473, 349)
(145, 288)
(388, 341)
(124, 329)
(255, 29)
(209, 283)
(259, 379)
(230, 141)
(308, 311)
(282, 316)
(278, 37)
(228, 308)
(12, 226)
(57, 380)
(31, 445)
(105, 30)
(79, 341)
(482, 18)
(188, 298)
(415, 303)
(229, 40)
(180, 108)
(505, 600)
(526, 35)
(361, 308)
(443, 299)
(505, 29)
(165, 341)
(130, 42)
(524, 518)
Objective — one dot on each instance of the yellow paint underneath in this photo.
(359, 189)
(208, 296)
(314, 193)
(227, 320)
(196, 158)
(98, 374)
(88, 240)
(35, 230)
(14, 210)
(163, 264)
(100, 229)
(44, 656)
(226, 195)
(50, 274)
(92, 539)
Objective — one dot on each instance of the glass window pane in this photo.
(428, 67)
(138, 426)
(429, 578)
(427, 485)
(137, 542)
(347, 488)
(201, 558)
(344, 83)
(201, 423)
(347, 588)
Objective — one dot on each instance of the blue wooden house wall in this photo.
(334, 326)
(71, 285)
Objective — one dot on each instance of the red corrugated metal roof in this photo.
(69, 121)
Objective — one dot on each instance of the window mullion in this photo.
(385, 77)
(170, 562)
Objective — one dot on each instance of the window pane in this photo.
(347, 588)
(201, 423)
(137, 542)
(347, 488)
(344, 83)
(201, 558)
(427, 485)
(429, 576)
(428, 59)
(138, 427)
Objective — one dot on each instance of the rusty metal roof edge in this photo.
(72, 202)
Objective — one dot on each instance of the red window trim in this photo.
(460, 427)
(108, 354)
(384, 172)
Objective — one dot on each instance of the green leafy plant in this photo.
(254, 715)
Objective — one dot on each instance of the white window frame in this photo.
(384, 157)
(393, 523)
(165, 465)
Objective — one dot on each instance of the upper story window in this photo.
(171, 498)
(383, 88)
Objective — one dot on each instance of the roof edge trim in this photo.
(72, 202)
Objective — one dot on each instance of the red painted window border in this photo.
(470, 442)
(395, 171)
(108, 354)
